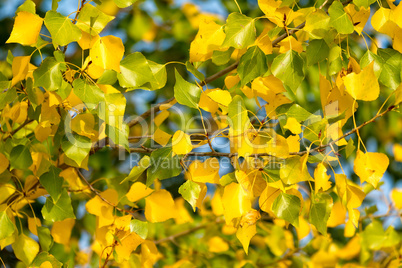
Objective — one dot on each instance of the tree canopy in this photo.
(161, 133)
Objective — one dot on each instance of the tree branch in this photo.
(186, 232)
(317, 149)
(18, 128)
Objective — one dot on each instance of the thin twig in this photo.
(75, 19)
(18, 128)
(186, 232)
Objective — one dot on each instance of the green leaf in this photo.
(62, 30)
(28, 6)
(390, 75)
(119, 135)
(288, 68)
(186, 93)
(292, 110)
(76, 148)
(45, 239)
(139, 227)
(368, 57)
(109, 77)
(339, 19)
(124, 3)
(25, 249)
(237, 113)
(222, 57)
(52, 182)
(292, 171)
(46, 257)
(190, 191)
(55, 4)
(48, 75)
(287, 207)
(7, 97)
(240, 31)
(375, 237)
(190, 67)
(320, 210)
(20, 157)
(363, 3)
(7, 226)
(252, 64)
(60, 210)
(163, 165)
(317, 51)
(136, 171)
(88, 93)
(228, 179)
(112, 110)
(91, 15)
(138, 72)
(334, 60)
(350, 148)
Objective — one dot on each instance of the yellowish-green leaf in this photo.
(25, 249)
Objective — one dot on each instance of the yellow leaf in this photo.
(217, 244)
(128, 244)
(210, 37)
(3, 163)
(46, 264)
(206, 103)
(264, 86)
(20, 68)
(245, 233)
(231, 81)
(277, 146)
(383, 21)
(321, 178)
(103, 210)
(138, 191)
(290, 43)
(61, 231)
(182, 215)
(338, 215)
(293, 125)
(87, 41)
(162, 116)
(207, 171)
(250, 218)
(216, 203)
(71, 177)
(149, 254)
(304, 228)
(220, 96)
(107, 52)
(269, 6)
(181, 143)
(396, 196)
(293, 143)
(359, 18)
(397, 149)
(159, 206)
(25, 249)
(363, 86)
(84, 124)
(264, 42)
(161, 137)
(235, 202)
(26, 28)
(267, 198)
(351, 250)
(370, 167)
(33, 223)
